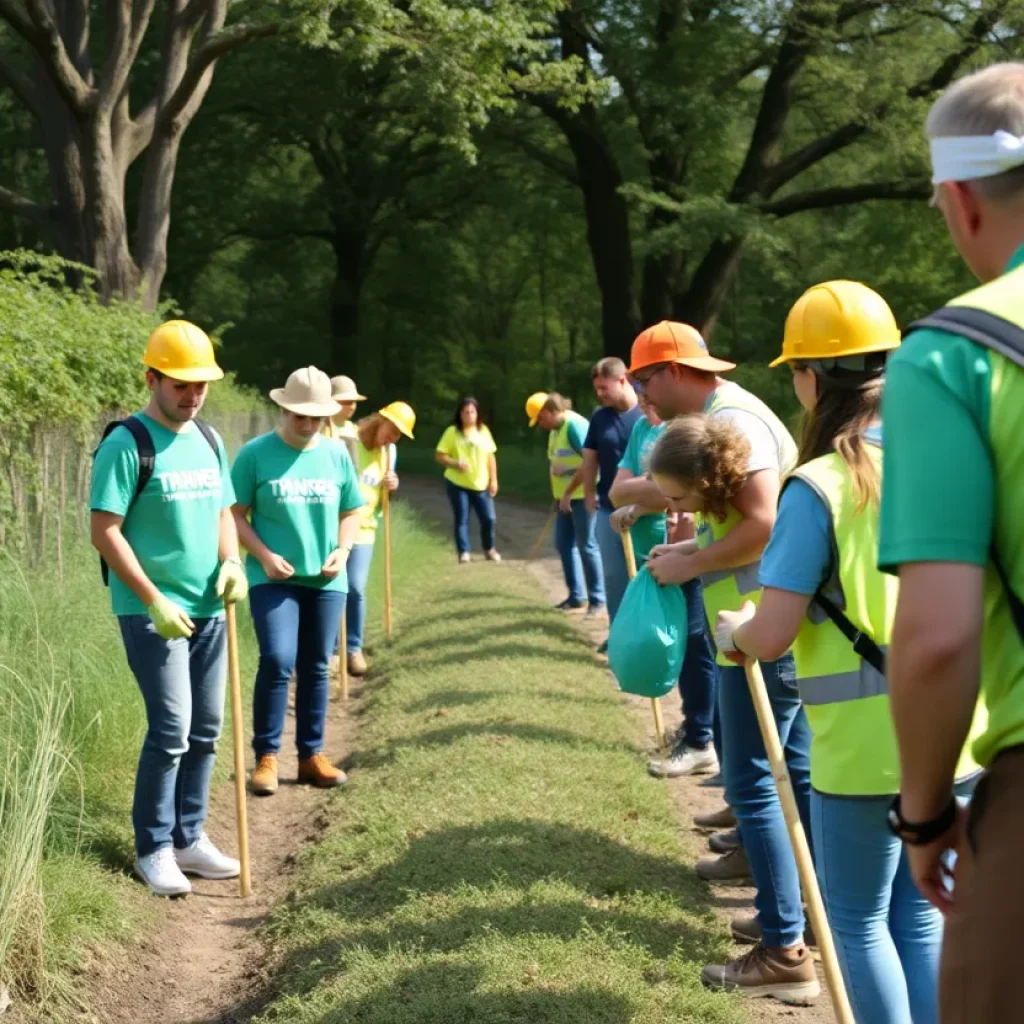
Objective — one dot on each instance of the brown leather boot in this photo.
(784, 974)
(318, 771)
(263, 780)
(357, 664)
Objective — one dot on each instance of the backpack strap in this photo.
(147, 464)
(862, 643)
(988, 329)
(1007, 338)
(211, 438)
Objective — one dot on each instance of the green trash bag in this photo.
(647, 642)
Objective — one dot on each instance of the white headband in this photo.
(968, 157)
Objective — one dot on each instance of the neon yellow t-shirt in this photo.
(371, 465)
(476, 448)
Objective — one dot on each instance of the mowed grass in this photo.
(500, 854)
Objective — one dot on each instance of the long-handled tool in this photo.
(627, 547)
(539, 543)
(802, 852)
(386, 499)
(238, 732)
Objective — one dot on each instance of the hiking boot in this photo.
(463, 557)
(570, 605)
(784, 974)
(684, 760)
(318, 771)
(747, 930)
(357, 664)
(731, 868)
(202, 858)
(723, 842)
(492, 555)
(716, 819)
(263, 780)
(160, 871)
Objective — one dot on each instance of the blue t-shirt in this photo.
(799, 555)
(649, 530)
(608, 435)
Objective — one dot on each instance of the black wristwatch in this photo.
(920, 833)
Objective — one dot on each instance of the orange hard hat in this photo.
(672, 342)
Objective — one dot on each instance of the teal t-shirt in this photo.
(174, 525)
(648, 530)
(296, 498)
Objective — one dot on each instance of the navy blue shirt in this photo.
(608, 436)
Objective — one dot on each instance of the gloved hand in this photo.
(231, 582)
(170, 619)
(727, 624)
(623, 518)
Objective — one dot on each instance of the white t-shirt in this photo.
(767, 451)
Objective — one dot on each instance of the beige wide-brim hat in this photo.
(307, 392)
(343, 389)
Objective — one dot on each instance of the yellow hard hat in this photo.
(401, 414)
(182, 351)
(534, 404)
(837, 319)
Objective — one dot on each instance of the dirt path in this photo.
(201, 961)
(519, 527)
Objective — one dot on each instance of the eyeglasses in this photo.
(646, 374)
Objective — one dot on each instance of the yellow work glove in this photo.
(170, 619)
(231, 582)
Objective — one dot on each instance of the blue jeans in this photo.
(887, 935)
(182, 684)
(483, 505)
(297, 628)
(613, 561)
(359, 561)
(574, 537)
(750, 789)
(698, 680)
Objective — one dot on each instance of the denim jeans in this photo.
(613, 561)
(888, 936)
(482, 504)
(581, 557)
(750, 790)
(182, 684)
(359, 561)
(297, 628)
(698, 680)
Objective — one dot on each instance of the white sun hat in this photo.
(307, 392)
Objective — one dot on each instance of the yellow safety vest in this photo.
(562, 454)
(728, 589)
(853, 746)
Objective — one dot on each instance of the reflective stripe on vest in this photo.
(838, 687)
(562, 454)
(744, 575)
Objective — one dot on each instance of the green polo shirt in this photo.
(953, 415)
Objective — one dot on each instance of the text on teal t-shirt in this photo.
(174, 525)
(648, 530)
(296, 497)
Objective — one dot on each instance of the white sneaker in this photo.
(686, 761)
(202, 858)
(160, 871)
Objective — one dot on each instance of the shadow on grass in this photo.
(517, 650)
(447, 993)
(495, 732)
(526, 620)
(444, 699)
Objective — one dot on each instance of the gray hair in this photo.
(983, 103)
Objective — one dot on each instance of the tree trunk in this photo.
(702, 300)
(350, 258)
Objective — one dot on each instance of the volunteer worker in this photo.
(301, 492)
(340, 427)
(575, 534)
(467, 451)
(377, 435)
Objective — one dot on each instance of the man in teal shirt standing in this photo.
(161, 521)
(953, 420)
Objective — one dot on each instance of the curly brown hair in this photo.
(706, 454)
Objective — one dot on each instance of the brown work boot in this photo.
(723, 842)
(730, 869)
(318, 771)
(784, 974)
(357, 664)
(747, 930)
(263, 780)
(716, 819)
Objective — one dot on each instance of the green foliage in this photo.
(500, 856)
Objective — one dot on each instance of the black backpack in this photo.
(147, 460)
(1006, 338)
